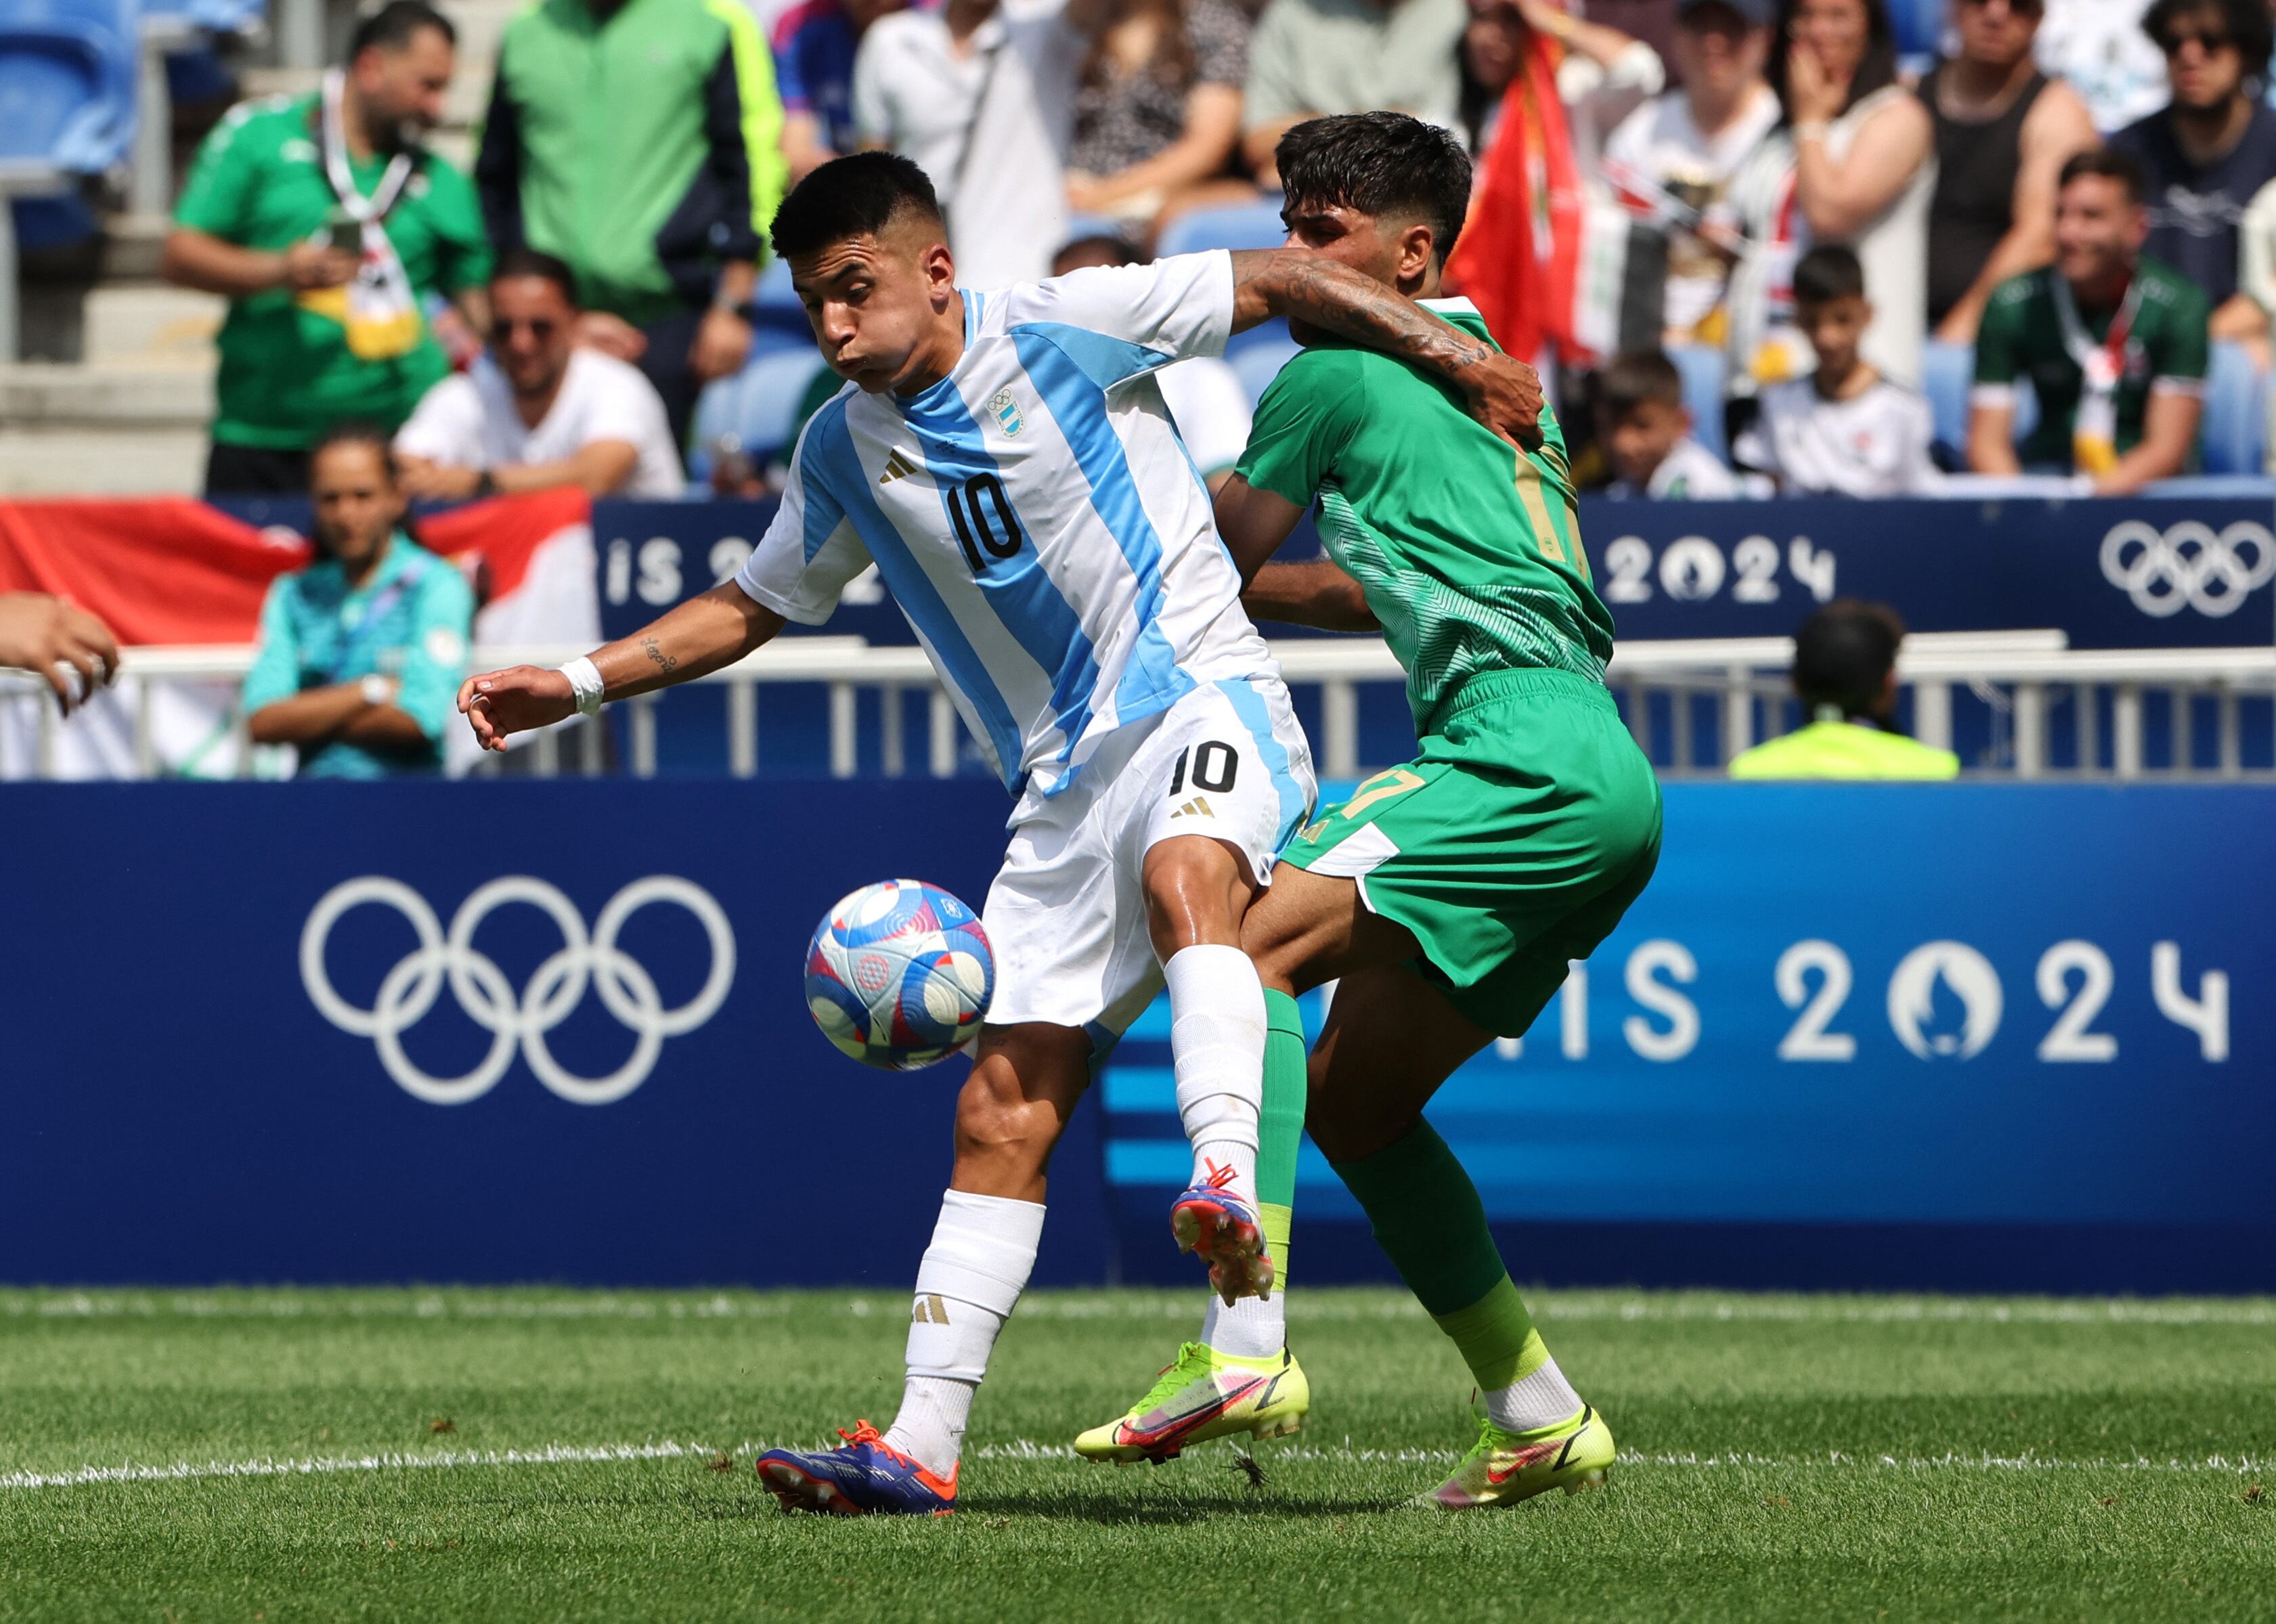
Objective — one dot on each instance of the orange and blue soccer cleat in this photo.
(1221, 1229)
(863, 1475)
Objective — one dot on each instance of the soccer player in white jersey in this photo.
(1005, 459)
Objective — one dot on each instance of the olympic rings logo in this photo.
(2163, 570)
(517, 1022)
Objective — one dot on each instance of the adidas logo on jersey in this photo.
(897, 466)
(1195, 807)
(930, 1310)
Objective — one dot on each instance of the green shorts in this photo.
(1511, 844)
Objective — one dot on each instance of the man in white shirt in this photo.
(537, 412)
(1671, 159)
(983, 102)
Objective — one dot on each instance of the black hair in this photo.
(357, 431)
(1877, 71)
(521, 261)
(1380, 164)
(395, 24)
(1116, 249)
(2110, 163)
(2246, 22)
(1843, 655)
(1828, 272)
(852, 196)
(1638, 378)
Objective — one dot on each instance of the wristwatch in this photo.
(485, 485)
(377, 689)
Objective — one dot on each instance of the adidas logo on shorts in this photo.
(1195, 807)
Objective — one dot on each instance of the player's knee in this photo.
(1196, 891)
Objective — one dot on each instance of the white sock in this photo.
(1540, 1399)
(1217, 1047)
(972, 1273)
(1253, 1328)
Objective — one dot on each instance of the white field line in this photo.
(1028, 1449)
(1320, 1307)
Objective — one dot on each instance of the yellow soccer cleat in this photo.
(1505, 1467)
(1199, 1395)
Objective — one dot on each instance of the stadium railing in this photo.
(2019, 673)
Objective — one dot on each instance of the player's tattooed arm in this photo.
(1504, 394)
(711, 630)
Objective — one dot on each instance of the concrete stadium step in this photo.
(77, 460)
(108, 397)
(151, 325)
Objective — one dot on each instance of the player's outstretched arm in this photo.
(707, 632)
(1315, 593)
(1504, 394)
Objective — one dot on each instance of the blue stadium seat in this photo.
(1919, 24)
(67, 87)
(1257, 355)
(1232, 225)
(2234, 437)
(1946, 371)
(755, 407)
(1705, 370)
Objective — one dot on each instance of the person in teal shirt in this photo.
(1845, 672)
(362, 652)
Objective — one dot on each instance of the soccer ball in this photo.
(899, 975)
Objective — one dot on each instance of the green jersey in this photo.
(2021, 337)
(287, 374)
(1468, 552)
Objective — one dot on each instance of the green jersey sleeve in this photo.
(223, 179)
(2179, 347)
(1999, 339)
(1306, 417)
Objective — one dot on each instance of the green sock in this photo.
(1280, 1128)
(1430, 1222)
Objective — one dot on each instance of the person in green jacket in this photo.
(641, 141)
(1844, 671)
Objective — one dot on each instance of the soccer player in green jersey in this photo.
(1449, 894)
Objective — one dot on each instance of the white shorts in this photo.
(1066, 916)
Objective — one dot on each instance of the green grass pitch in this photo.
(542, 1455)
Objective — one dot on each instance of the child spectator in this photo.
(1646, 432)
(1844, 429)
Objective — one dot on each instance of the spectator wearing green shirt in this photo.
(1845, 672)
(641, 141)
(361, 653)
(2112, 343)
(330, 229)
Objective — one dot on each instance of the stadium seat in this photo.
(66, 110)
(2234, 437)
(754, 408)
(1946, 371)
(1919, 24)
(1705, 370)
(1257, 355)
(1232, 225)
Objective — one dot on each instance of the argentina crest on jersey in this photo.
(1005, 411)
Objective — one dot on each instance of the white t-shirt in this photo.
(1659, 145)
(1007, 212)
(1688, 472)
(468, 421)
(2099, 47)
(1874, 444)
(1211, 411)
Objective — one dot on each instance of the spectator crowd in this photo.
(1753, 225)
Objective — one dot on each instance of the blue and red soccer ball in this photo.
(899, 975)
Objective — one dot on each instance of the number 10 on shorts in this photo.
(1214, 766)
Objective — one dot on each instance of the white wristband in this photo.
(585, 683)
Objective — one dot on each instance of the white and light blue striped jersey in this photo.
(1035, 514)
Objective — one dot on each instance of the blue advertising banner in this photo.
(1955, 1035)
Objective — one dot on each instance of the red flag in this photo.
(1519, 256)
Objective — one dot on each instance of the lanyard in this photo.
(2102, 364)
(360, 208)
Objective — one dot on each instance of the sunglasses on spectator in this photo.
(2020, 8)
(2212, 43)
(540, 328)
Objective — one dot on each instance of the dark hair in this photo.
(1826, 273)
(395, 24)
(2110, 163)
(1638, 378)
(2246, 22)
(852, 197)
(1380, 164)
(529, 263)
(356, 431)
(1117, 250)
(1844, 653)
(1877, 70)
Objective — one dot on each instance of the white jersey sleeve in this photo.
(811, 549)
(446, 427)
(1166, 311)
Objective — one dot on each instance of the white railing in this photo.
(2018, 673)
